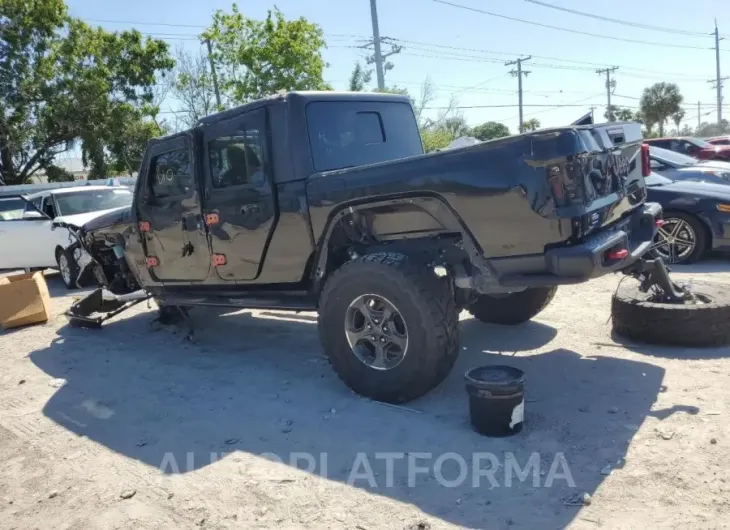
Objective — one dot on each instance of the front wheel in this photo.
(512, 308)
(68, 268)
(389, 327)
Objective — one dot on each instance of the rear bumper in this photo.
(589, 259)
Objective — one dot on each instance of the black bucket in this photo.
(496, 399)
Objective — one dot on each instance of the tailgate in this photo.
(601, 181)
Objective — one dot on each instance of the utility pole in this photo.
(717, 82)
(519, 73)
(214, 74)
(610, 83)
(699, 115)
(376, 43)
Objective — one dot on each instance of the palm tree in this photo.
(677, 118)
(659, 102)
(532, 124)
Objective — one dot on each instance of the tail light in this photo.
(645, 160)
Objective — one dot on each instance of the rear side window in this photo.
(347, 134)
(171, 174)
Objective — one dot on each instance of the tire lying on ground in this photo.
(512, 308)
(704, 323)
(389, 326)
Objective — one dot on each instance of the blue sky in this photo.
(476, 77)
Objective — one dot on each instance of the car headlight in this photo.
(723, 207)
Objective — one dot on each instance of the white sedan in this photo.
(26, 238)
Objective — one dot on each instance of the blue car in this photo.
(677, 166)
(696, 216)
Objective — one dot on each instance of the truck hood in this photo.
(93, 219)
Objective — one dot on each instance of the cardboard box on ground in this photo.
(24, 300)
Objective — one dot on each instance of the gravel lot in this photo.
(134, 427)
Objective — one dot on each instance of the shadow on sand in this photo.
(163, 400)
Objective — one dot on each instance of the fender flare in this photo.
(431, 203)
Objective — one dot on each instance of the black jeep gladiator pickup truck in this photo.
(326, 202)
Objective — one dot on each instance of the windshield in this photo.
(656, 180)
(699, 143)
(672, 157)
(78, 202)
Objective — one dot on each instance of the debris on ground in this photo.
(578, 499)
(57, 383)
(421, 525)
(127, 494)
(53, 494)
(606, 470)
(713, 441)
(665, 435)
(285, 425)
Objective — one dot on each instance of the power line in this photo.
(619, 21)
(192, 36)
(578, 32)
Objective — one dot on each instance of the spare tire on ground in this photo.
(644, 318)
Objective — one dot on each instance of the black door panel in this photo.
(170, 202)
(240, 200)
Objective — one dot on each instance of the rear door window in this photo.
(347, 134)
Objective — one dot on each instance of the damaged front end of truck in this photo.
(98, 250)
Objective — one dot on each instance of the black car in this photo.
(696, 218)
(677, 166)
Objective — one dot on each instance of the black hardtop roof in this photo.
(299, 97)
(302, 98)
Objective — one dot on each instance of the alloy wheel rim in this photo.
(65, 269)
(376, 332)
(675, 241)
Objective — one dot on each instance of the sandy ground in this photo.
(133, 427)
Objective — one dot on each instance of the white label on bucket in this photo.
(518, 414)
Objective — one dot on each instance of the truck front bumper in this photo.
(610, 250)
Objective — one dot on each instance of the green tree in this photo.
(193, 88)
(62, 82)
(677, 118)
(434, 139)
(490, 130)
(659, 102)
(359, 78)
(58, 174)
(455, 125)
(532, 124)
(625, 115)
(258, 58)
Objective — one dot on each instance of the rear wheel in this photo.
(512, 308)
(682, 239)
(389, 327)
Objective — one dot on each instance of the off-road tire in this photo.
(428, 308)
(641, 320)
(72, 266)
(513, 308)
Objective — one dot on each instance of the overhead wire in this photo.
(568, 30)
(675, 31)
